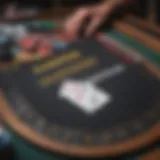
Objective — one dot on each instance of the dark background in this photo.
(139, 7)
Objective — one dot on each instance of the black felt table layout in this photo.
(133, 93)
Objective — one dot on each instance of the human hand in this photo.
(97, 15)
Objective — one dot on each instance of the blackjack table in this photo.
(90, 98)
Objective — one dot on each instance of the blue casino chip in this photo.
(15, 51)
(5, 138)
(3, 39)
(59, 44)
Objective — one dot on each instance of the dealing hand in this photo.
(97, 15)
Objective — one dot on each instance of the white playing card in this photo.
(84, 95)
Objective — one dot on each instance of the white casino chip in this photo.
(14, 31)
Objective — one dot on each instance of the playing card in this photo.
(84, 95)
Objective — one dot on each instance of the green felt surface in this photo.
(141, 48)
(27, 151)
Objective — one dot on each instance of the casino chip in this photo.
(40, 26)
(4, 137)
(28, 43)
(6, 45)
(59, 44)
(3, 38)
(14, 31)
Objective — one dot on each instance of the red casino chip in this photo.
(29, 42)
(44, 51)
(45, 47)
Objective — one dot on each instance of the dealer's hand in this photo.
(97, 13)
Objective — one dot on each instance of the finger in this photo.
(73, 24)
(94, 24)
